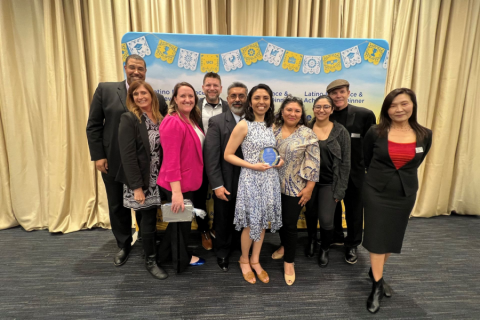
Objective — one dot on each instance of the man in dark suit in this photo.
(209, 106)
(357, 120)
(108, 104)
(223, 176)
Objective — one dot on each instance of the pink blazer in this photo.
(182, 155)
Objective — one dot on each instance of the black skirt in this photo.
(386, 216)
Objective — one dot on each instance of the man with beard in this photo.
(209, 106)
(223, 176)
(108, 104)
(357, 120)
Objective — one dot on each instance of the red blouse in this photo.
(401, 153)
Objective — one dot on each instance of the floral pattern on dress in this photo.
(301, 154)
(258, 196)
(152, 193)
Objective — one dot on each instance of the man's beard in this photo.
(238, 110)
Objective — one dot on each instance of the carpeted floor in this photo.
(72, 276)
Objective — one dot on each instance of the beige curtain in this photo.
(55, 52)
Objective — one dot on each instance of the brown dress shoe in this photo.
(206, 241)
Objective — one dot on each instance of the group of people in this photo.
(149, 153)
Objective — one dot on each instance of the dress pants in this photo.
(353, 214)
(200, 202)
(288, 232)
(174, 244)
(120, 217)
(225, 233)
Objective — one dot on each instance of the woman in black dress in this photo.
(393, 151)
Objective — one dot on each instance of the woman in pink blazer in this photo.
(181, 170)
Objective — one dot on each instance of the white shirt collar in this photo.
(205, 103)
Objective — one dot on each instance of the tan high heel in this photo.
(249, 276)
(290, 278)
(262, 276)
(276, 255)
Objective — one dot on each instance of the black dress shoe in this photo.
(351, 255)
(155, 270)
(373, 301)
(323, 258)
(388, 290)
(121, 257)
(223, 264)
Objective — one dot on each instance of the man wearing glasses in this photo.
(357, 121)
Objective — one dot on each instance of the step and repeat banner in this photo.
(302, 67)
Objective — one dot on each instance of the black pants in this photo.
(225, 233)
(321, 207)
(174, 244)
(200, 201)
(120, 217)
(149, 228)
(353, 214)
(288, 232)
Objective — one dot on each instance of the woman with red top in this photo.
(393, 151)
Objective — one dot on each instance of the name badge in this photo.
(355, 135)
(419, 150)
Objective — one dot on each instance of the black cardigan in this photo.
(380, 167)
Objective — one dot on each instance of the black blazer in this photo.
(108, 104)
(225, 108)
(359, 120)
(135, 154)
(219, 171)
(380, 167)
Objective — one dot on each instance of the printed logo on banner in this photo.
(124, 52)
(139, 46)
(231, 60)
(373, 53)
(351, 57)
(312, 64)
(251, 53)
(166, 51)
(273, 54)
(209, 62)
(332, 63)
(292, 61)
(385, 62)
(188, 59)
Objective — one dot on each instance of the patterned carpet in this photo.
(72, 276)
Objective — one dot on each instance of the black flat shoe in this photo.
(351, 255)
(373, 301)
(388, 290)
(223, 264)
(323, 258)
(121, 257)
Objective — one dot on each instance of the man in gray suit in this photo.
(223, 176)
(108, 104)
(210, 106)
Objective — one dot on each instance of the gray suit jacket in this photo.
(108, 104)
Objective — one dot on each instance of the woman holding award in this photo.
(181, 171)
(141, 157)
(297, 145)
(334, 143)
(258, 195)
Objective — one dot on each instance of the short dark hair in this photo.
(212, 75)
(237, 84)
(385, 121)
(135, 57)
(290, 99)
(270, 115)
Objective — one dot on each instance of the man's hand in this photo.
(102, 165)
(222, 193)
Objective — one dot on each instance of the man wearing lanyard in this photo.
(357, 121)
(209, 106)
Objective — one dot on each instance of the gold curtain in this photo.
(55, 52)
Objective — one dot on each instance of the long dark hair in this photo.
(385, 121)
(290, 99)
(322, 96)
(172, 108)
(270, 115)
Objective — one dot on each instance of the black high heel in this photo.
(373, 301)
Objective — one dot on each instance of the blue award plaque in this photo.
(270, 155)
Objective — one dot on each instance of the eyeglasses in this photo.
(325, 107)
(240, 96)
